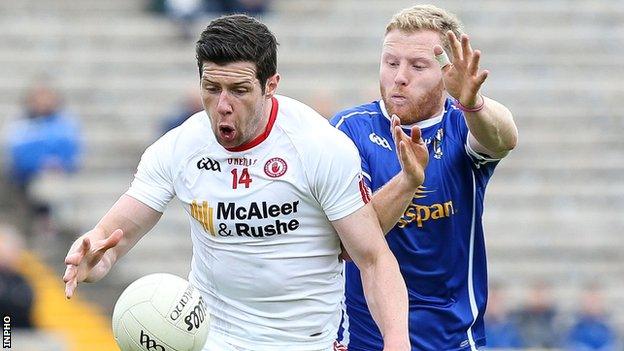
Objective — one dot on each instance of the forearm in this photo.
(132, 217)
(493, 127)
(386, 296)
(391, 201)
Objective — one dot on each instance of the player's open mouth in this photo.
(398, 99)
(227, 132)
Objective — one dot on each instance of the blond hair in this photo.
(426, 17)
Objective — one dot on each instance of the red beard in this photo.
(419, 108)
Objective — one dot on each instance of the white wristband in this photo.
(443, 59)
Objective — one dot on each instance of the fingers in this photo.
(416, 135)
(72, 261)
(111, 241)
(76, 257)
(473, 67)
(403, 153)
(466, 48)
(71, 280)
(70, 273)
(396, 121)
(455, 46)
(396, 130)
(441, 57)
(70, 287)
(438, 50)
(482, 77)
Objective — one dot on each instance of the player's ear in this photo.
(271, 85)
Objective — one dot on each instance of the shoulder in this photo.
(187, 138)
(307, 129)
(362, 114)
(294, 111)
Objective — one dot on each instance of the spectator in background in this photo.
(186, 12)
(537, 319)
(501, 330)
(190, 105)
(253, 7)
(250, 7)
(16, 294)
(44, 139)
(591, 330)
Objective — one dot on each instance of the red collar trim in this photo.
(260, 138)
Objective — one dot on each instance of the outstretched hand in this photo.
(462, 77)
(412, 152)
(85, 261)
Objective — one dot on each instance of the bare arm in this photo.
(383, 284)
(391, 201)
(492, 129)
(94, 253)
(393, 198)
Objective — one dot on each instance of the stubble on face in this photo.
(418, 108)
(232, 96)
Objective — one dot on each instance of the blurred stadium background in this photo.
(554, 209)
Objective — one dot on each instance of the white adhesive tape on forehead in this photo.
(443, 59)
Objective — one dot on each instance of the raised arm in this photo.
(383, 284)
(93, 254)
(492, 129)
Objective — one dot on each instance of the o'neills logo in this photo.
(275, 167)
(177, 310)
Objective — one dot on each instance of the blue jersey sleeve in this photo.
(356, 135)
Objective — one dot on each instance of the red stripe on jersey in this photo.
(364, 191)
(260, 138)
(339, 347)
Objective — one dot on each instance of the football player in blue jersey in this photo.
(433, 227)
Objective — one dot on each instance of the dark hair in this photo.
(237, 38)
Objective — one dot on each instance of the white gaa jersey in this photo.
(265, 254)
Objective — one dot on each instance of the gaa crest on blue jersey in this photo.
(437, 144)
(381, 141)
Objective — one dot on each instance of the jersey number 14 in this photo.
(243, 179)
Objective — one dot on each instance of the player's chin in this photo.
(402, 110)
(228, 139)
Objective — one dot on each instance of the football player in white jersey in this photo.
(271, 190)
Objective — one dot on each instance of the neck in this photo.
(263, 120)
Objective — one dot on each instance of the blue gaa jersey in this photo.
(439, 240)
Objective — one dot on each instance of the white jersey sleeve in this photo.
(153, 182)
(337, 176)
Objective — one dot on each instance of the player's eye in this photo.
(393, 64)
(211, 88)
